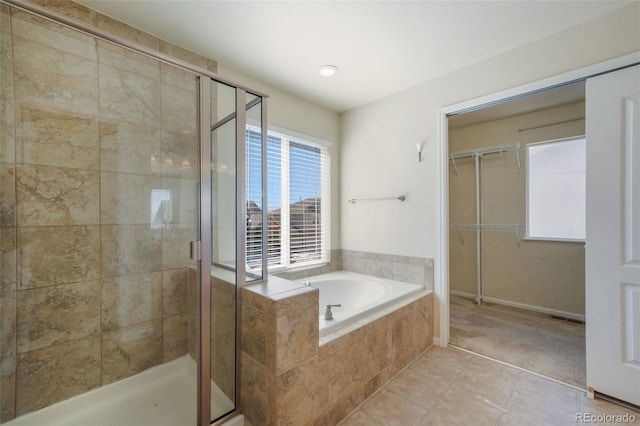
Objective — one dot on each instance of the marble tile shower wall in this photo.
(92, 287)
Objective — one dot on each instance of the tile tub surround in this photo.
(408, 269)
(291, 376)
(90, 293)
(223, 335)
(223, 327)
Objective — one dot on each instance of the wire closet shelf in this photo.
(488, 227)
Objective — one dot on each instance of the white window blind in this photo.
(297, 201)
(556, 190)
(254, 196)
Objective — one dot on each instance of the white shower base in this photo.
(165, 395)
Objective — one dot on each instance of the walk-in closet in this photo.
(516, 238)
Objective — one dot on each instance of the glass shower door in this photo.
(224, 273)
(98, 186)
(236, 209)
(102, 191)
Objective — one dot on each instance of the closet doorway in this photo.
(516, 238)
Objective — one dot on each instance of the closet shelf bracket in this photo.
(497, 149)
(453, 160)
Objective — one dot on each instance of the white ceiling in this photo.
(380, 47)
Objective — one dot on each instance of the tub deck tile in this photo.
(317, 380)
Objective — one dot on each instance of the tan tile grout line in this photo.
(447, 387)
(359, 406)
(504, 410)
(544, 332)
(521, 369)
(429, 410)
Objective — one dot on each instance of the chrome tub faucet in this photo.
(328, 315)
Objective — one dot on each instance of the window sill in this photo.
(306, 266)
(555, 240)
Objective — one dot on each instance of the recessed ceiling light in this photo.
(328, 70)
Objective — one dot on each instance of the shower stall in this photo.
(123, 213)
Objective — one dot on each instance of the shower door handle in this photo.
(196, 250)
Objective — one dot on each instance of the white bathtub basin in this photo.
(359, 295)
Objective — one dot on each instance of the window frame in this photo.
(527, 236)
(286, 136)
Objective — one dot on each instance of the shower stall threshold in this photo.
(162, 395)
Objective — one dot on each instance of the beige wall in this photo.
(540, 273)
(378, 154)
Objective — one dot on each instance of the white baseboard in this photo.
(463, 294)
(540, 309)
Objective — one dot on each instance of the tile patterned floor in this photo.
(448, 386)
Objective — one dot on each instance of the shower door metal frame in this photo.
(205, 238)
(241, 222)
(206, 241)
(241, 209)
(204, 252)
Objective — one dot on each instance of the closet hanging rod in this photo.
(399, 198)
(555, 123)
(496, 149)
(486, 226)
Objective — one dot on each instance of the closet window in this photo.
(297, 202)
(556, 190)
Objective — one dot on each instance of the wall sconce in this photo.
(420, 146)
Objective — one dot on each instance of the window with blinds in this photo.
(253, 194)
(297, 201)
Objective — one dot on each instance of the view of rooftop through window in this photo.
(295, 173)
